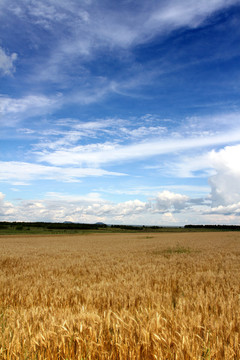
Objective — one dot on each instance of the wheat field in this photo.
(120, 296)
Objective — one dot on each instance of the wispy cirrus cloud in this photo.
(22, 172)
(66, 133)
(173, 14)
(89, 29)
(13, 110)
(109, 153)
(118, 26)
(150, 191)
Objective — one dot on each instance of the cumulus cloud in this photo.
(225, 184)
(6, 208)
(166, 208)
(223, 170)
(227, 210)
(92, 208)
(7, 66)
(167, 201)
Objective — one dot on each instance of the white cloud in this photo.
(193, 190)
(11, 105)
(21, 172)
(90, 197)
(68, 133)
(143, 131)
(167, 200)
(228, 210)
(7, 62)
(222, 168)
(90, 27)
(225, 184)
(91, 208)
(128, 208)
(169, 218)
(6, 208)
(123, 27)
(44, 14)
(13, 109)
(167, 208)
(209, 123)
(189, 166)
(173, 14)
(75, 131)
(112, 153)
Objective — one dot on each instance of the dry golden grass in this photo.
(120, 296)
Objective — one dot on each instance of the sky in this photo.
(122, 112)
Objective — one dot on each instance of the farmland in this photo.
(120, 296)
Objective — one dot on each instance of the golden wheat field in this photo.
(120, 296)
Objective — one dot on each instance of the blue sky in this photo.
(120, 111)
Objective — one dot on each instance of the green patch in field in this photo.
(206, 354)
(146, 237)
(178, 249)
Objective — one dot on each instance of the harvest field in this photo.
(120, 296)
